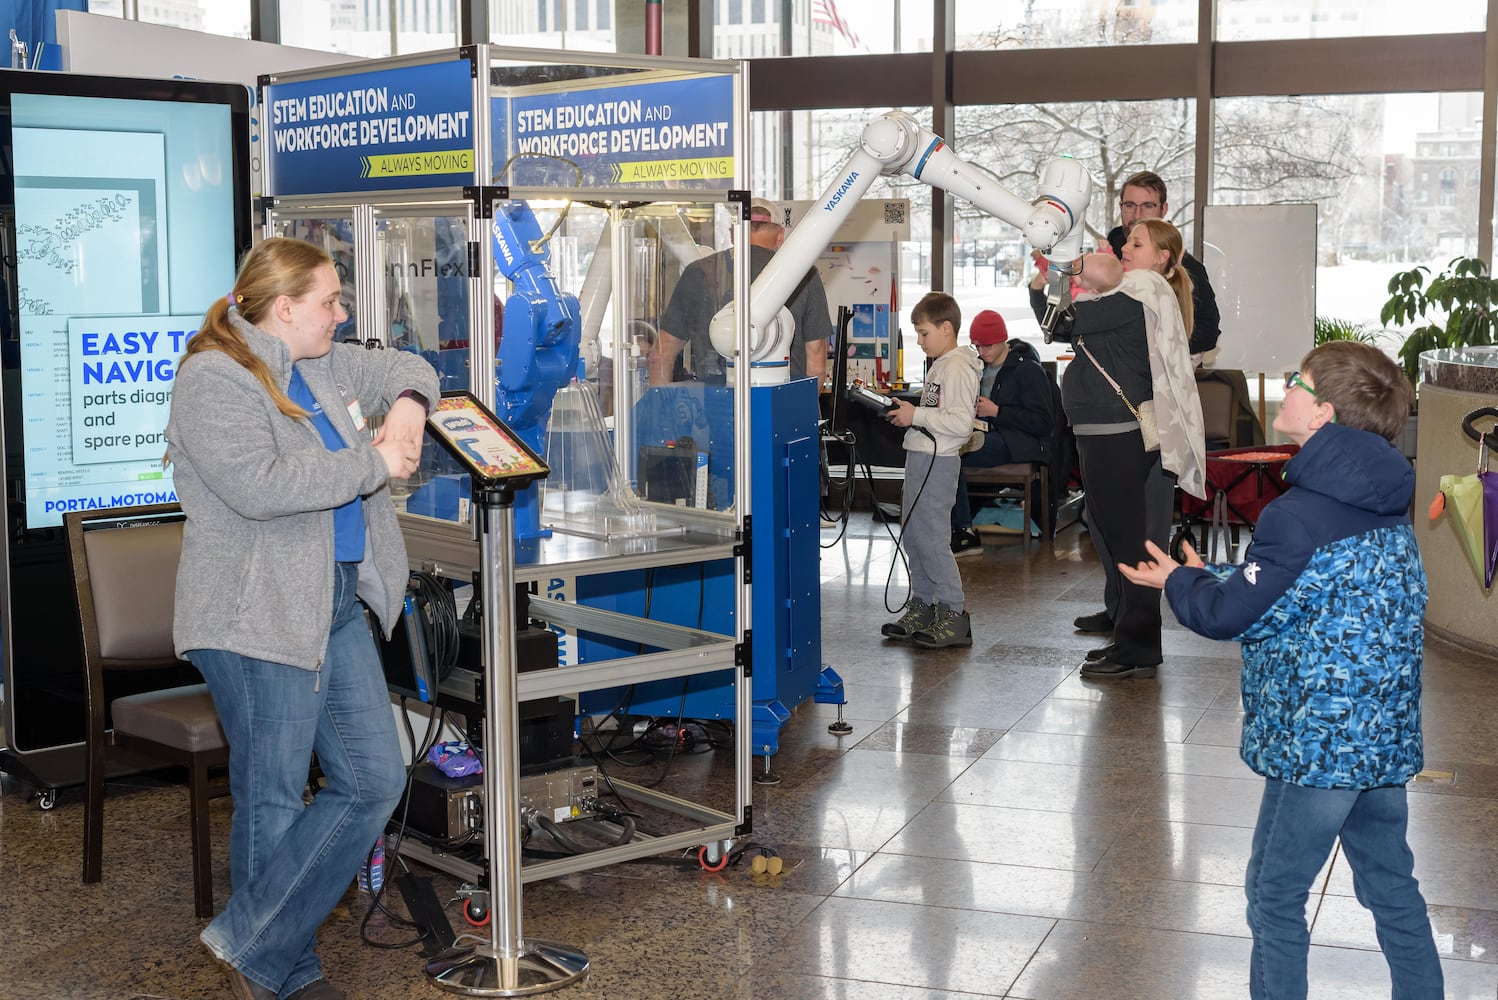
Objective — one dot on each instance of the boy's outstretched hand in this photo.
(1154, 571)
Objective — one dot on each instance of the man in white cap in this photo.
(1014, 401)
(707, 285)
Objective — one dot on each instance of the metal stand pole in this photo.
(508, 966)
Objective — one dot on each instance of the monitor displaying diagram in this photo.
(124, 207)
(124, 232)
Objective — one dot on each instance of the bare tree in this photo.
(1266, 150)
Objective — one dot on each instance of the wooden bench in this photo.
(1032, 479)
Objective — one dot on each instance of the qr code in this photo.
(894, 213)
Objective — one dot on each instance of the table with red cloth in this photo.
(1240, 483)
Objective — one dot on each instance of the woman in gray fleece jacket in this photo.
(290, 533)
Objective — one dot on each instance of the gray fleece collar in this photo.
(272, 350)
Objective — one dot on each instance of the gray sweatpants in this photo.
(926, 527)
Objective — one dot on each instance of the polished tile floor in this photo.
(994, 826)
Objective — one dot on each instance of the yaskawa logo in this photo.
(837, 197)
(502, 245)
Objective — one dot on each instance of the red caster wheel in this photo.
(476, 914)
(721, 864)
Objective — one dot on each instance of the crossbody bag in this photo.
(1144, 412)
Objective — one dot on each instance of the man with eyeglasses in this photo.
(1143, 197)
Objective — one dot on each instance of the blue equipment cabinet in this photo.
(785, 556)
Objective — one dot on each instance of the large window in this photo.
(822, 27)
(818, 148)
(364, 27)
(216, 17)
(585, 25)
(1026, 24)
(990, 261)
(1253, 20)
(1391, 176)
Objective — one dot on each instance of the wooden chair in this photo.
(125, 575)
(1033, 481)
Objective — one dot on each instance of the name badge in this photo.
(356, 414)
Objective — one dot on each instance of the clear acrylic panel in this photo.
(678, 390)
(336, 236)
(425, 263)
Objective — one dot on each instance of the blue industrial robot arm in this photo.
(538, 344)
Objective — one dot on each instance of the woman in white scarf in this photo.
(1154, 247)
(1150, 274)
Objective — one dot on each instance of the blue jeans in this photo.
(290, 863)
(995, 451)
(1294, 836)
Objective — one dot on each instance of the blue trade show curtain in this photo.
(35, 23)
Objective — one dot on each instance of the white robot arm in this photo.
(895, 143)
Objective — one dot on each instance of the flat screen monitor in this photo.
(125, 207)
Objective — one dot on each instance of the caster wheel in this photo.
(476, 914)
(708, 866)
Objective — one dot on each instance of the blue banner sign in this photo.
(664, 133)
(410, 127)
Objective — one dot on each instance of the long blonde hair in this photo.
(1164, 236)
(275, 267)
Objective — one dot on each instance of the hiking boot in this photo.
(965, 542)
(1100, 621)
(951, 628)
(918, 615)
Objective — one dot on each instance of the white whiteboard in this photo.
(1261, 260)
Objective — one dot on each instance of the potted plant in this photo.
(1328, 328)
(1465, 293)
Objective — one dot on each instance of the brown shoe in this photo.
(319, 989)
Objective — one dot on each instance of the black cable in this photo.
(904, 520)
(391, 841)
(848, 485)
(686, 682)
(554, 831)
(439, 621)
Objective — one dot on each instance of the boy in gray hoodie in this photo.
(935, 616)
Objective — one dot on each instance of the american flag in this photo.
(825, 12)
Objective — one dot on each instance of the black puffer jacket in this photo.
(1022, 392)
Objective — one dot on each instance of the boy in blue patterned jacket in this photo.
(1328, 604)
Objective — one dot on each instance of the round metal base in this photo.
(541, 966)
(840, 728)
